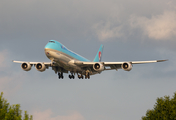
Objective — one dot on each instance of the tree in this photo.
(164, 109)
(12, 112)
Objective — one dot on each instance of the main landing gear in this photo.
(80, 77)
(71, 76)
(87, 76)
(60, 75)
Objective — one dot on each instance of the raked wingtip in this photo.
(162, 60)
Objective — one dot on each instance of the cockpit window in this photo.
(52, 41)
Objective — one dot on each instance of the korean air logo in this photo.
(99, 55)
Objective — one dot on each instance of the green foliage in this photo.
(13, 112)
(164, 109)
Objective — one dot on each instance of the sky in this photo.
(130, 30)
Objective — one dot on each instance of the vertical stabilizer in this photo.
(99, 54)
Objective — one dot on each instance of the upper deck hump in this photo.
(53, 44)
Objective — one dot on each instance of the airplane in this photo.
(64, 60)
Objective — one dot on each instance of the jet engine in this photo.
(40, 67)
(26, 66)
(126, 66)
(98, 67)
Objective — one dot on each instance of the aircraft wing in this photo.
(27, 66)
(33, 63)
(115, 65)
(133, 62)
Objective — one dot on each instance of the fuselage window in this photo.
(52, 41)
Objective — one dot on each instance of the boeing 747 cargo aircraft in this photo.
(64, 60)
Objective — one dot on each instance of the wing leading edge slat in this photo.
(34, 63)
(116, 65)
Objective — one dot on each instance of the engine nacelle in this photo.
(40, 67)
(126, 66)
(26, 66)
(98, 67)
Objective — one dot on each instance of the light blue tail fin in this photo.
(99, 54)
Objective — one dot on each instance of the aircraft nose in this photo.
(47, 52)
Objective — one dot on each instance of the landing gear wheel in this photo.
(80, 77)
(71, 76)
(87, 76)
(60, 75)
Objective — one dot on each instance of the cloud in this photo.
(107, 31)
(3, 56)
(112, 26)
(47, 115)
(10, 84)
(10, 81)
(158, 27)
